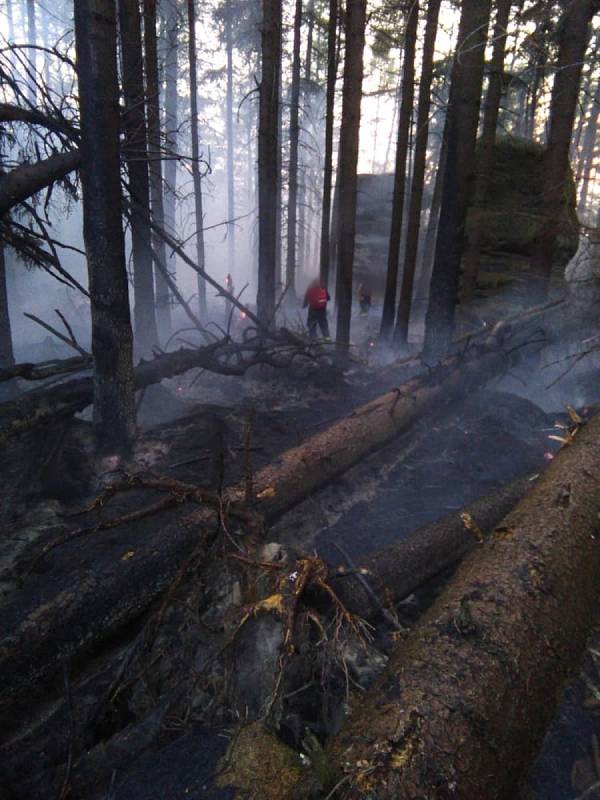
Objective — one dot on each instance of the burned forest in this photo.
(299, 400)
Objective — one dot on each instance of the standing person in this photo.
(316, 298)
(364, 297)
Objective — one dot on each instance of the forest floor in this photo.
(197, 430)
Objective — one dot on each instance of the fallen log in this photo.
(89, 602)
(45, 405)
(465, 699)
(394, 572)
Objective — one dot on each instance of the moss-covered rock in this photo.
(511, 213)
(261, 767)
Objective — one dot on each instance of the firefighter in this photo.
(364, 298)
(316, 298)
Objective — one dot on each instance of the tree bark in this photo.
(196, 177)
(304, 168)
(397, 571)
(400, 176)
(268, 173)
(112, 340)
(290, 276)
(465, 699)
(163, 308)
(329, 120)
(171, 24)
(32, 37)
(485, 163)
(136, 157)
(7, 358)
(418, 178)
(230, 145)
(24, 181)
(347, 163)
(573, 40)
(461, 120)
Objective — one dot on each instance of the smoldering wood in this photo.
(465, 699)
(47, 405)
(396, 571)
(115, 592)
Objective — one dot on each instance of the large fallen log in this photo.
(86, 603)
(465, 699)
(391, 574)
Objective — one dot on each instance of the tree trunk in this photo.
(163, 301)
(171, 25)
(589, 147)
(464, 701)
(485, 163)
(196, 177)
(304, 253)
(290, 277)
(268, 173)
(573, 39)
(112, 340)
(136, 156)
(230, 146)
(398, 570)
(406, 108)
(426, 262)
(6, 347)
(347, 163)
(416, 189)
(461, 120)
(329, 120)
(32, 37)
(25, 180)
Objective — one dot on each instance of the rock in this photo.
(259, 765)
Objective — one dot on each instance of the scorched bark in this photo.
(465, 699)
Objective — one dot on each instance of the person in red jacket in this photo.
(316, 298)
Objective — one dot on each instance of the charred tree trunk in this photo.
(290, 277)
(347, 163)
(461, 121)
(32, 37)
(268, 173)
(6, 347)
(406, 109)
(230, 146)
(196, 177)
(117, 591)
(163, 310)
(25, 180)
(328, 163)
(418, 178)
(464, 701)
(171, 23)
(486, 148)
(397, 571)
(573, 40)
(95, 39)
(136, 156)
(304, 168)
